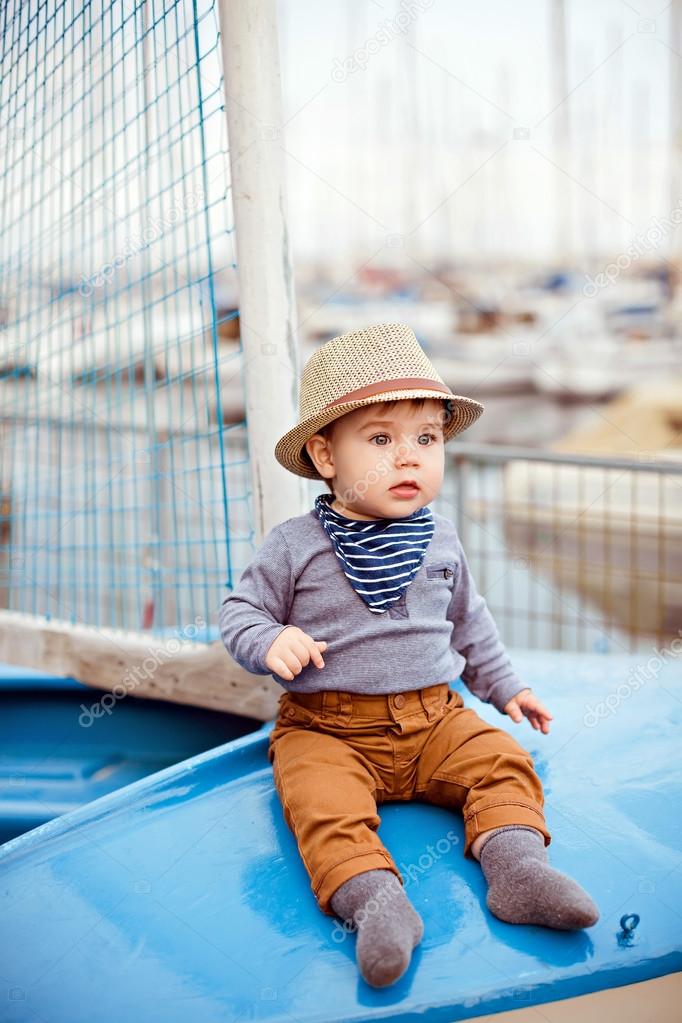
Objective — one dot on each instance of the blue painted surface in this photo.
(56, 754)
(183, 895)
(13, 677)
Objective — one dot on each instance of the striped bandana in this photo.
(380, 557)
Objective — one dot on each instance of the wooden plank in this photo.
(131, 664)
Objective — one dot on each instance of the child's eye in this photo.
(432, 436)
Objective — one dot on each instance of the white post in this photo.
(267, 315)
(675, 144)
(562, 129)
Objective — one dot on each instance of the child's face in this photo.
(372, 449)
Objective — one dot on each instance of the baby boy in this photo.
(363, 609)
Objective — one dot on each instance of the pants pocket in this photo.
(454, 700)
(293, 713)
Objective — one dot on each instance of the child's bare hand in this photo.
(292, 650)
(526, 703)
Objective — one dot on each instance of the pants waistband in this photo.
(407, 702)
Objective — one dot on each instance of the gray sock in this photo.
(524, 889)
(388, 925)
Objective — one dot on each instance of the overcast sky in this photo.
(389, 117)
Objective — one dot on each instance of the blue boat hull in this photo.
(62, 744)
(183, 895)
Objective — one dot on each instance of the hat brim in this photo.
(289, 450)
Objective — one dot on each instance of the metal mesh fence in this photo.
(123, 453)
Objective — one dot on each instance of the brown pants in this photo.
(336, 755)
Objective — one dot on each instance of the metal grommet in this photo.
(291, 712)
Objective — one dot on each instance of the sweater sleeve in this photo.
(256, 610)
(488, 673)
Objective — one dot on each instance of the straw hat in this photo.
(381, 363)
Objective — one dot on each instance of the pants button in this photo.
(399, 700)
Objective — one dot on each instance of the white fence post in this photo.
(267, 315)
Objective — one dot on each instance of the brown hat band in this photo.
(401, 384)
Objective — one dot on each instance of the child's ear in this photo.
(320, 454)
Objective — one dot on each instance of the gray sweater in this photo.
(439, 630)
